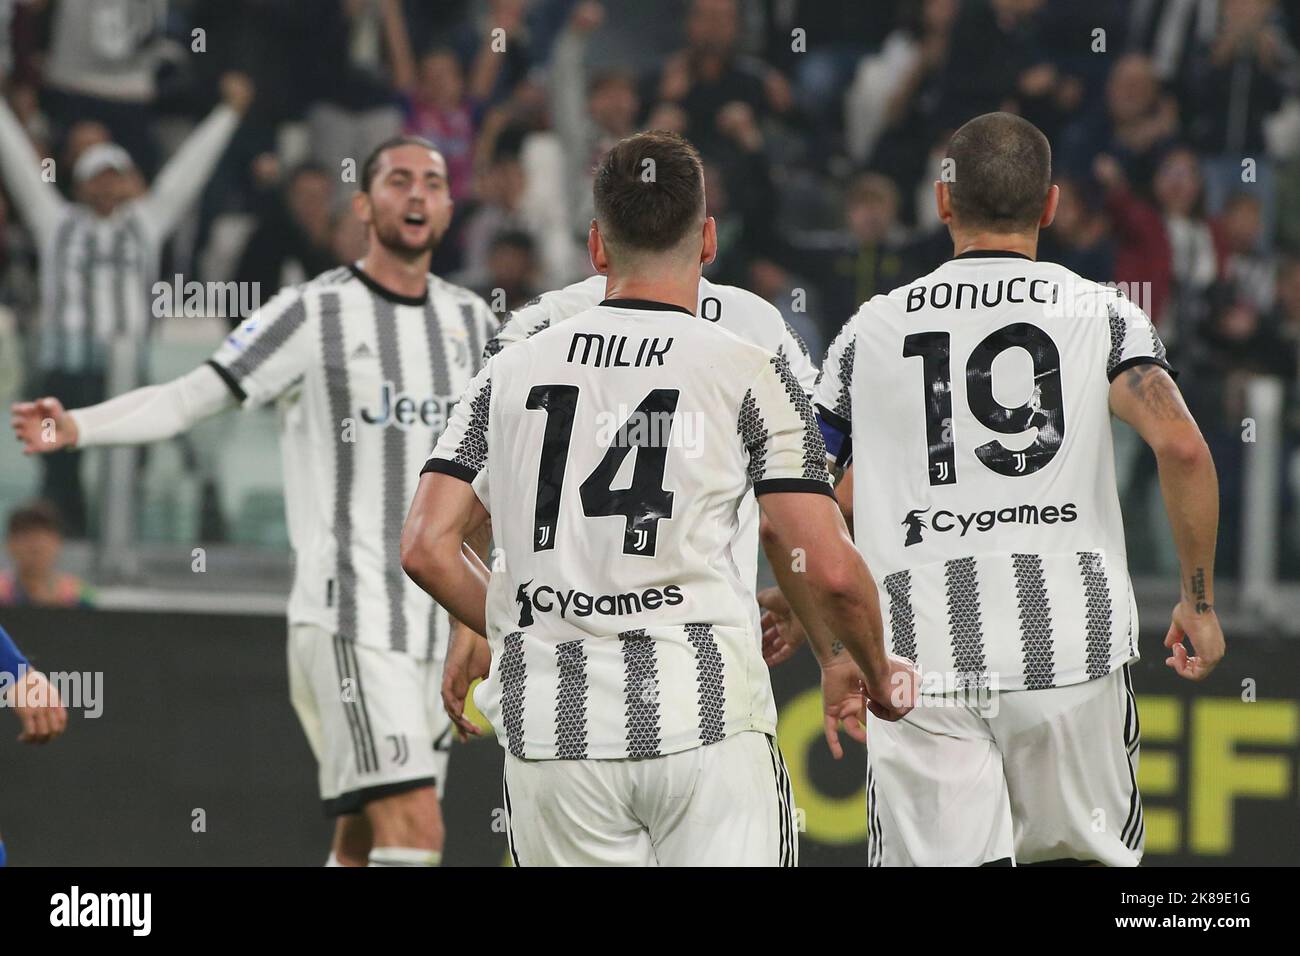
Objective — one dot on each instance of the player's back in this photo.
(977, 403)
(619, 446)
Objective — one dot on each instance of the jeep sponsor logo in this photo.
(548, 600)
(404, 411)
(944, 521)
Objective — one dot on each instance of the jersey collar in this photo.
(992, 254)
(650, 304)
(386, 293)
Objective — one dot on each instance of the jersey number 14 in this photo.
(642, 505)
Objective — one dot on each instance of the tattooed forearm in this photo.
(1157, 391)
(837, 648)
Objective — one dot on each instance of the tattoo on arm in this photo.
(837, 648)
(1196, 585)
(1157, 391)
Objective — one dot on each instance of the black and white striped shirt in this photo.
(615, 451)
(97, 273)
(365, 380)
(974, 406)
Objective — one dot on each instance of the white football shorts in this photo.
(373, 717)
(1028, 776)
(723, 804)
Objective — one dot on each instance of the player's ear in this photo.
(596, 249)
(361, 207)
(1049, 207)
(709, 251)
(943, 201)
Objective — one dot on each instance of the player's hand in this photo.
(39, 709)
(468, 660)
(1205, 635)
(237, 91)
(782, 632)
(42, 426)
(893, 692)
(843, 701)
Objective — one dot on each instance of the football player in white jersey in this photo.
(737, 310)
(363, 363)
(613, 452)
(975, 404)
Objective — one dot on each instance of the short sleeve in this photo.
(462, 451)
(833, 397)
(269, 352)
(489, 324)
(1133, 338)
(518, 325)
(801, 363)
(779, 432)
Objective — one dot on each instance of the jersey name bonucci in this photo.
(974, 404)
(364, 382)
(614, 451)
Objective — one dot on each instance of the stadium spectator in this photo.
(99, 255)
(710, 73)
(34, 542)
(512, 200)
(822, 56)
(499, 44)
(439, 109)
(591, 112)
(355, 102)
(862, 259)
(1167, 243)
(102, 64)
(1236, 344)
(1247, 263)
(1079, 237)
(997, 46)
(292, 242)
(513, 268)
(1235, 81)
(1140, 120)
(889, 108)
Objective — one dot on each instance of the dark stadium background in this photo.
(1176, 130)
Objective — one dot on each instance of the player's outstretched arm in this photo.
(444, 514)
(836, 589)
(180, 182)
(141, 416)
(1146, 397)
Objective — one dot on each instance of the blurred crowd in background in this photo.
(1175, 126)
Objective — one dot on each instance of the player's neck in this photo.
(406, 277)
(670, 290)
(1018, 242)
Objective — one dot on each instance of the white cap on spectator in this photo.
(100, 157)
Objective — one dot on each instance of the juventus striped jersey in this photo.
(364, 380)
(97, 272)
(737, 310)
(975, 405)
(614, 451)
